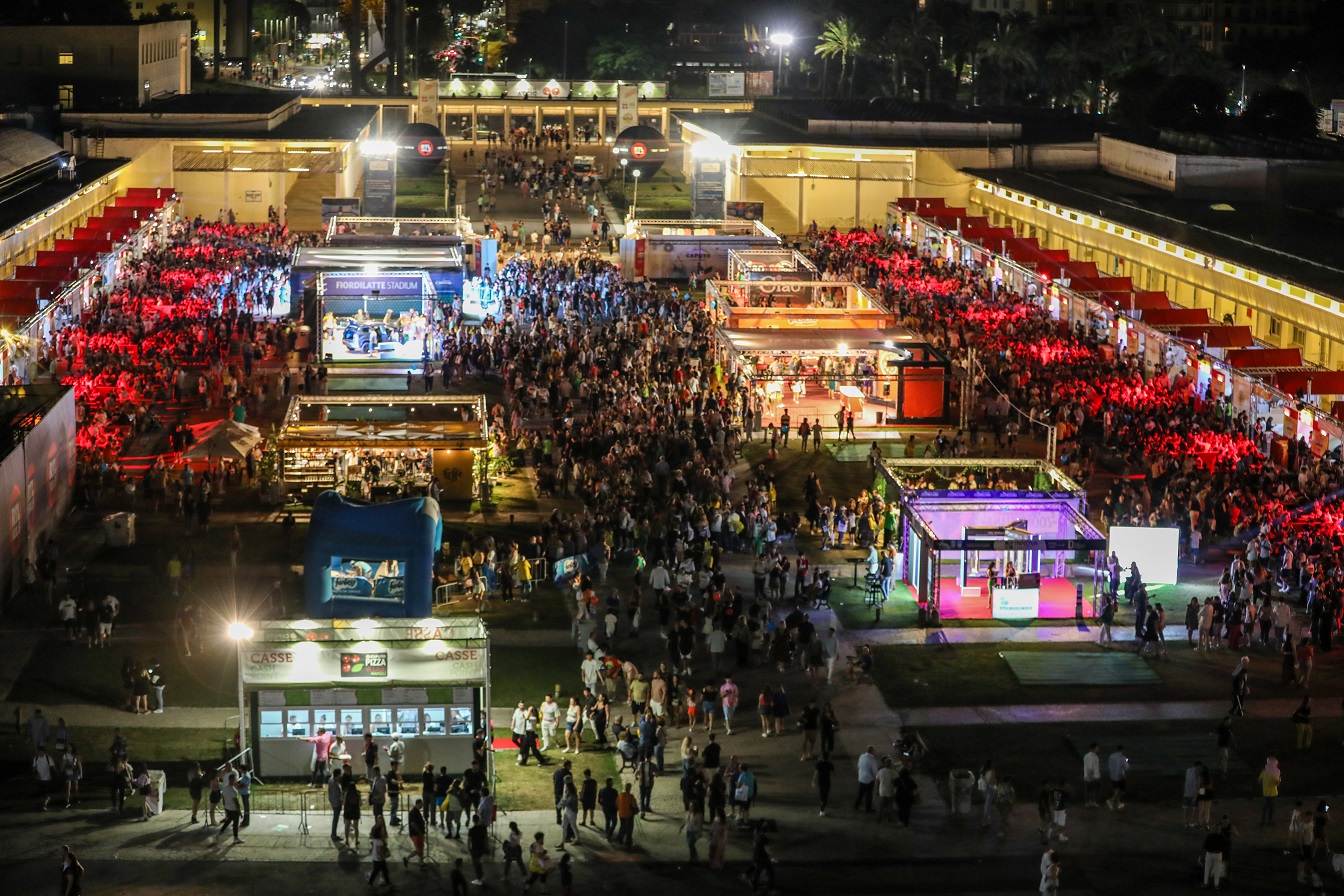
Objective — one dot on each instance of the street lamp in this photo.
(634, 205)
(780, 41)
(241, 632)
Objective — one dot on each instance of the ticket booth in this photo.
(427, 680)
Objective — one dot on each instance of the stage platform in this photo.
(1057, 600)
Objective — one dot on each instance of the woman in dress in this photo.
(572, 721)
(73, 768)
(350, 809)
(765, 707)
(782, 712)
(196, 787)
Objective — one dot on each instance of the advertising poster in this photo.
(427, 101)
(627, 107)
(380, 188)
(311, 663)
(745, 211)
(760, 83)
(453, 472)
(727, 84)
(708, 178)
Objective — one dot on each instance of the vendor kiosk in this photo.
(384, 447)
(1035, 524)
(427, 680)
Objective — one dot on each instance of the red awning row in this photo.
(1154, 308)
(54, 269)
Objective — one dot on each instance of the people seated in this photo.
(628, 747)
(861, 664)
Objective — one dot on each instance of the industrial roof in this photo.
(34, 201)
(336, 123)
(1287, 243)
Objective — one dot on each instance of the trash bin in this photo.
(119, 529)
(960, 786)
(158, 782)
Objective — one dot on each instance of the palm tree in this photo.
(1071, 66)
(916, 41)
(1011, 54)
(840, 38)
(963, 34)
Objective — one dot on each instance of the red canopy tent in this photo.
(96, 247)
(1265, 357)
(1176, 317)
(1321, 382)
(46, 275)
(1138, 301)
(27, 291)
(50, 258)
(1218, 336)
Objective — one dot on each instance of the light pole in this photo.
(241, 632)
(624, 167)
(1242, 106)
(780, 41)
(564, 63)
(634, 205)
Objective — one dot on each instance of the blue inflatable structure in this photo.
(364, 560)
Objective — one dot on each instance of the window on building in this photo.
(65, 57)
(1299, 336)
(1275, 327)
(139, 7)
(65, 95)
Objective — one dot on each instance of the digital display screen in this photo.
(1156, 551)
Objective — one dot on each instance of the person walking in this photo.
(232, 809)
(539, 863)
(867, 775)
(477, 846)
(986, 784)
(821, 780)
(1302, 719)
(1005, 797)
(512, 848)
(1118, 766)
(1240, 686)
(335, 799)
(350, 808)
(416, 828)
(1270, 779)
(1092, 775)
(379, 852)
(907, 794)
(1215, 844)
(72, 874)
(625, 816)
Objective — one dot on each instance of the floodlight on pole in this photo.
(241, 633)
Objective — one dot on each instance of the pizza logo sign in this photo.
(638, 150)
(425, 148)
(551, 90)
(363, 665)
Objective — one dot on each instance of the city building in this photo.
(81, 66)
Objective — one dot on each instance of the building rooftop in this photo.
(52, 191)
(22, 409)
(191, 119)
(1287, 243)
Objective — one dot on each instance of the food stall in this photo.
(770, 264)
(427, 680)
(883, 376)
(384, 447)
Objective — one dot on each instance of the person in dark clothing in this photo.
(606, 799)
(477, 844)
(558, 785)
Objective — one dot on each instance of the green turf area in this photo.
(1165, 754)
(529, 673)
(1159, 754)
(854, 452)
(422, 196)
(152, 745)
(666, 194)
(1094, 669)
(529, 787)
(63, 673)
(370, 383)
(975, 675)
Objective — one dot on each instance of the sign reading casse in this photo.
(316, 663)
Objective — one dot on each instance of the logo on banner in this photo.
(425, 148)
(638, 150)
(551, 90)
(363, 665)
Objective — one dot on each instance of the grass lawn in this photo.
(529, 787)
(421, 195)
(665, 192)
(530, 673)
(1033, 753)
(71, 673)
(153, 745)
(975, 675)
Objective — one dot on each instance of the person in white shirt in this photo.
(550, 720)
(1091, 774)
(1118, 765)
(886, 788)
(43, 768)
(867, 769)
(68, 612)
(518, 724)
(590, 670)
(718, 643)
(830, 648)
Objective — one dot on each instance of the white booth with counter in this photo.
(424, 679)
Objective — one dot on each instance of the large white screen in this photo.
(1155, 550)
